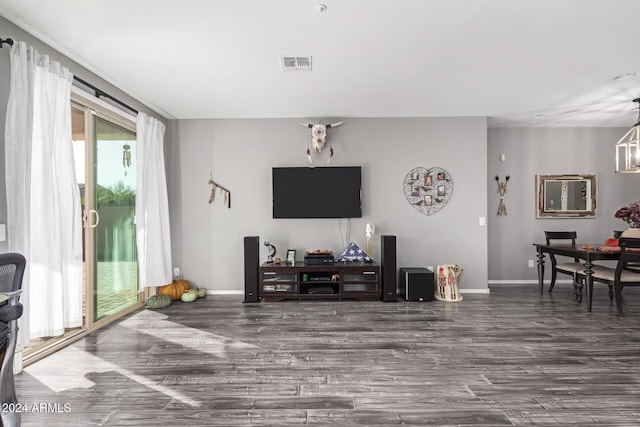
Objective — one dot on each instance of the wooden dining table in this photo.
(586, 252)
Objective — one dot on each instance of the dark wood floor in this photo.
(509, 358)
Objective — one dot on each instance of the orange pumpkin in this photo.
(175, 289)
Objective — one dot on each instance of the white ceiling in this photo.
(505, 59)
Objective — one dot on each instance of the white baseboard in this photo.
(224, 292)
(524, 282)
(475, 291)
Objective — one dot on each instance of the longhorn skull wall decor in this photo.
(319, 138)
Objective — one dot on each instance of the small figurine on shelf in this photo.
(369, 230)
(272, 252)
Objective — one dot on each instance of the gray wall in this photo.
(530, 151)
(207, 238)
(9, 30)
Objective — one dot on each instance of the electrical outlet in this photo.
(531, 265)
(176, 272)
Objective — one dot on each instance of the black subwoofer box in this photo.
(416, 284)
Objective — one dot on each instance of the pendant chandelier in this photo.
(628, 148)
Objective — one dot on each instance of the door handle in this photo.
(94, 213)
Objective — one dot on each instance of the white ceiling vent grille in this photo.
(295, 63)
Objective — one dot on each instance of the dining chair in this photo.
(12, 267)
(627, 271)
(571, 268)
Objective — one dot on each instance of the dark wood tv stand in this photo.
(352, 280)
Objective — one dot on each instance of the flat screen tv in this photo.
(322, 192)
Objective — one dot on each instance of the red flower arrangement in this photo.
(630, 214)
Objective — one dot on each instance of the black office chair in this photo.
(570, 268)
(626, 273)
(12, 267)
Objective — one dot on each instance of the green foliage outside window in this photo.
(116, 195)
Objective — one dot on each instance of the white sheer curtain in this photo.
(43, 200)
(153, 235)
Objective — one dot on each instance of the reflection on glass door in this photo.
(116, 269)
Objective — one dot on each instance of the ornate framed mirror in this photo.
(566, 196)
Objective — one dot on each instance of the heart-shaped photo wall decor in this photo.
(428, 190)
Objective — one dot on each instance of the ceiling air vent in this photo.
(296, 63)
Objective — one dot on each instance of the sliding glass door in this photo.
(104, 151)
(104, 147)
(116, 268)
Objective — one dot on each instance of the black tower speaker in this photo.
(251, 263)
(388, 268)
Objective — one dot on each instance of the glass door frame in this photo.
(95, 107)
